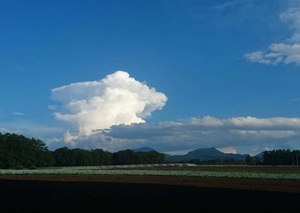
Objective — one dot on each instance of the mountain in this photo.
(260, 155)
(197, 154)
(143, 149)
(205, 154)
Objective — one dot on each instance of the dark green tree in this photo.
(124, 157)
(281, 157)
(18, 151)
(100, 157)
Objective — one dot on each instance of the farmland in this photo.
(154, 188)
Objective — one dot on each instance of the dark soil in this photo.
(145, 194)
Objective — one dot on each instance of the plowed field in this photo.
(104, 193)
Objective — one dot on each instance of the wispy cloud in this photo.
(30, 129)
(232, 14)
(13, 66)
(229, 4)
(18, 113)
(287, 51)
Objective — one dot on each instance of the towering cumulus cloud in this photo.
(96, 105)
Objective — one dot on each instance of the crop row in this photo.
(137, 172)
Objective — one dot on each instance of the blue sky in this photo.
(175, 75)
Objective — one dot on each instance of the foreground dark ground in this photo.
(146, 194)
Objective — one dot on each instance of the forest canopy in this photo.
(18, 152)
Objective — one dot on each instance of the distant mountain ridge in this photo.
(143, 149)
(198, 154)
(205, 154)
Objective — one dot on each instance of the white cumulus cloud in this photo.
(288, 51)
(97, 105)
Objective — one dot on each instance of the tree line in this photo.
(282, 157)
(18, 152)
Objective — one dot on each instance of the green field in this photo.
(260, 172)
